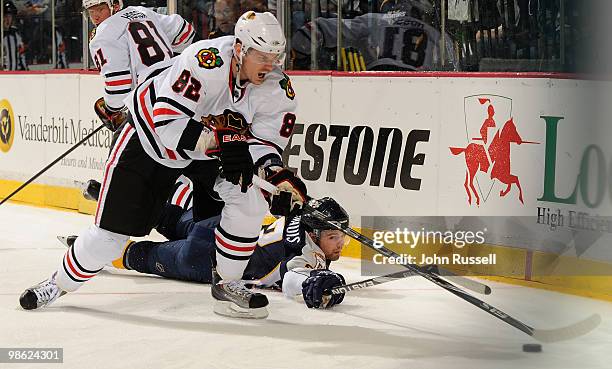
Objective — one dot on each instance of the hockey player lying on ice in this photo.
(293, 253)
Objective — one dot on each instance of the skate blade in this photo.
(230, 309)
(63, 240)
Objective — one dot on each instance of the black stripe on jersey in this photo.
(191, 135)
(145, 127)
(236, 238)
(177, 105)
(152, 96)
(272, 158)
(183, 154)
(179, 32)
(70, 274)
(155, 73)
(119, 73)
(174, 189)
(117, 92)
(269, 143)
(188, 41)
(162, 123)
(189, 197)
(79, 265)
(230, 256)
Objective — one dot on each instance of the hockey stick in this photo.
(52, 164)
(369, 282)
(464, 282)
(544, 335)
(475, 286)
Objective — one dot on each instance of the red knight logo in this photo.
(488, 148)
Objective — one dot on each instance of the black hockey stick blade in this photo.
(553, 335)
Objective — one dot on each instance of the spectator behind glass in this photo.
(226, 13)
(61, 61)
(12, 43)
(403, 38)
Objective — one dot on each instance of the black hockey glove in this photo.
(112, 119)
(292, 194)
(236, 161)
(314, 288)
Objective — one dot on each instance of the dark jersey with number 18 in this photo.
(393, 41)
(130, 41)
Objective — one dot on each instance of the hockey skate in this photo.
(91, 190)
(67, 241)
(41, 294)
(235, 300)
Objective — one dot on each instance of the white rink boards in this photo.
(126, 320)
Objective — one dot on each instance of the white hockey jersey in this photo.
(130, 41)
(175, 96)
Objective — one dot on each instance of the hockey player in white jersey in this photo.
(225, 98)
(124, 43)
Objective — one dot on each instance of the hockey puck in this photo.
(532, 347)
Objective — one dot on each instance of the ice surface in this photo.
(127, 320)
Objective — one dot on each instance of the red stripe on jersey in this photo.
(181, 195)
(119, 82)
(143, 105)
(73, 269)
(171, 154)
(232, 247)
(164, 111)
(184, 36)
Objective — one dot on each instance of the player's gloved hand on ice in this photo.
(236, 161)
(112, 119)
(292, 191)
(313, 289)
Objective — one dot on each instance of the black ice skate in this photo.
(41, 295)
(67, 241)
(92, 190)
(235, 300)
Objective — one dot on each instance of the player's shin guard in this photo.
(232, 253)
(93, 249)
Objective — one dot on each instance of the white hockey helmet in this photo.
(89, 3)
(260, 31)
